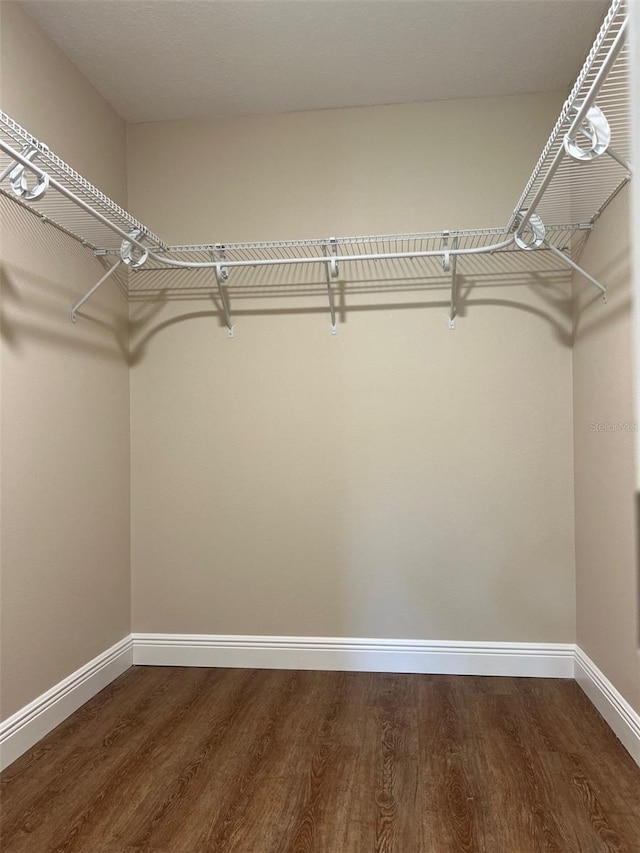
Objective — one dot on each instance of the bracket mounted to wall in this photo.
(132, 254)
(453, 268)
(536, 237)
(222, 277)
(567, 260)
(89, 294)
(332, 271)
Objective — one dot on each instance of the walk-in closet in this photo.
(319, 428)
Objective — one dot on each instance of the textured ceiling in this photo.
(169, 59)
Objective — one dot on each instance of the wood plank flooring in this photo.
(262, 761)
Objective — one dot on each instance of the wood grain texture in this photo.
(167, 760)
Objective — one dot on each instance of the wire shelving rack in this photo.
(582, 167)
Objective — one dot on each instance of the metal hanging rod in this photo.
(373, 239)
(331, 258)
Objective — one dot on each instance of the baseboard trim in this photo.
(542, 660)
(534, 660)
(28, 725)
(618, 713)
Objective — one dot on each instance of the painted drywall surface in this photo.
(635, 188)
(396, 480)
(604, 439)
(45, 93)
(375, 170)
(65, 396)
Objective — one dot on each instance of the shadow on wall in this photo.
(638, 568)
(57, 271)
(618, 274)
(28, 313)
(43, 273)
(350, 298)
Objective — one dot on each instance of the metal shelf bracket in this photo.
(453, 267)
(222, 276)
(565, 259)
(332, 272)
(446, 256)
(89, 294)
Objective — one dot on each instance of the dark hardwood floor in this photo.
(260, 761)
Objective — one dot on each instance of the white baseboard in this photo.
(28, 725)
(533, 660)
(543, 660)
(618, 713)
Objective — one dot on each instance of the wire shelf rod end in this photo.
(89, 294)
(577, 268)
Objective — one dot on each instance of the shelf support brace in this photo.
(611, 152)
(567, 260)
(331, 268)
(619, 160)
(78, 305)
(222, 276)
(453, 266)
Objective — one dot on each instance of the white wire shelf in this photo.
(560, 203)
(368, 260)
(57, 208)
(579, 191)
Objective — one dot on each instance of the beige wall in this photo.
(606, 567)
(635, 189)
(65, 395)
(288, 481)
(45, 93)
(381, 170)
(397, 480)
